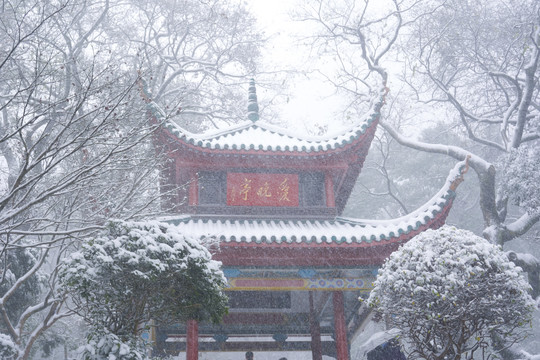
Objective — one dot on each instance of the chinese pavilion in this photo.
(273, 201)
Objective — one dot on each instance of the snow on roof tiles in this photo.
(266, 137)
(335, 231)
(262, 136)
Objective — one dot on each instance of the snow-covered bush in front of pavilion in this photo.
(135, 272)
(102, 345)
(452, 292)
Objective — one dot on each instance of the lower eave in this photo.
(308, 243)
(330, 242)
(314, 255)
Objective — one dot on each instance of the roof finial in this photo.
(253, 107)
(143, 88)
(462, 171)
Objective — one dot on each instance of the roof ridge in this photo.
(250, 135)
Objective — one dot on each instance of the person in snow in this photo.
(249, 355)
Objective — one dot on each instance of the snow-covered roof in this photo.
(266, 137)
(332, 231)
(262, 136)
(335, 231)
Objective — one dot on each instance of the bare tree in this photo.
(196, 56)
(74, 151)
(75, 142)
(476, 63)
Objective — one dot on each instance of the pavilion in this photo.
(272, 202)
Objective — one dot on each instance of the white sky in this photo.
(311, 101)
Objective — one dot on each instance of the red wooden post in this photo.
(193, 189)
(329, 189)
(192, 351)
(342, 347)
(315, 328)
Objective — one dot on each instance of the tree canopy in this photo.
(471, 69)
(452, 63)
(450, 292)
(135, 272)
(75, 140)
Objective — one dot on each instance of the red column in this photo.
(342, 347)
(192, 351)
(315, 328)
(329, 189)
(193, 189)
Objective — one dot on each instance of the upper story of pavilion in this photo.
(256, 186)
(256, 169)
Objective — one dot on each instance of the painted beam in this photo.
(284, 284)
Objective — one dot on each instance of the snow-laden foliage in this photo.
(76, 145)
(137, 271)
(13, 265)
(449, 291)
(8, 349)
(521, 177)
(103, 345)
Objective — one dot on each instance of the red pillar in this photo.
(342, 346)
(192, 351)
(315, 328)
(329, 189)
(193, 189)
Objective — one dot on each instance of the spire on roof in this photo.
(253, 107)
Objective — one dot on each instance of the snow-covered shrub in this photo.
(102, 345)
(8, 349)
(137, 271)
(451, 292)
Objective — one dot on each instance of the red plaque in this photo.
(254, 189)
